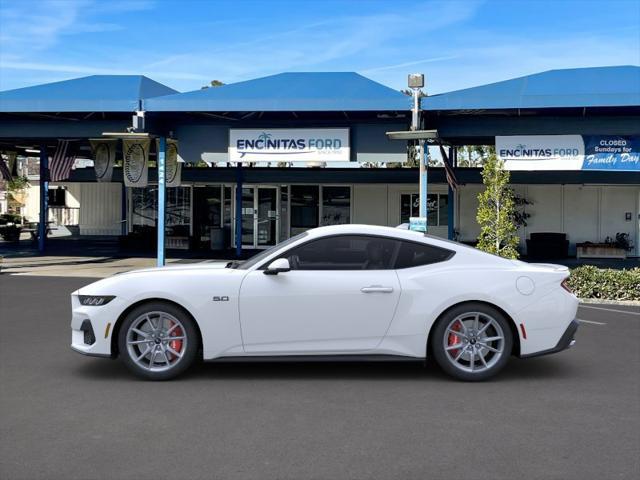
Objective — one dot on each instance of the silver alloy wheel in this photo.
(474, 342)
(156, 341)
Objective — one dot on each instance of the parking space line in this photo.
(590, 321)
(610, 310)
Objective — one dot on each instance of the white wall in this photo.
(100, 208)
(581, 214)
(31, 209)
(614, 204)
(370, 205)
(584, 213)
(467, 205)
(546, 209)
(73, 195)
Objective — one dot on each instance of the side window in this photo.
(344, 252)
(413, 254)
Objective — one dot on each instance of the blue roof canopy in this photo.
(577, 87)
(285, 92)
(96, 93)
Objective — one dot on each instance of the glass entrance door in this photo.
(267, 207)
(248, 214)
(259, 213)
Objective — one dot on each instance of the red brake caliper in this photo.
(454, 339)
(176, 345)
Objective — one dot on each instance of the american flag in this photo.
(61, 162)
(448, 170)
(4, 170)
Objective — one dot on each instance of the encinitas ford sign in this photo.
(541, 152)
(569, 152)
(289, 145)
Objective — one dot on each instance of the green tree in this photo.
(474, 155)
(496, 211)
(213, 83)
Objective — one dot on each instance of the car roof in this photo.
(355, 229)
(405, 234)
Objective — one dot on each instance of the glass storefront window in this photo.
(144, 208)
(409, 206)
(432, 209)
(443, 210)
(304, 207)
(336, 205)
(178, 206)
(227, 207)
(207, 215)
(437, 213)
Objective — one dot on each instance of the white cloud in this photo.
(29, 27)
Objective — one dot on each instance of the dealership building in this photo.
(265, 159)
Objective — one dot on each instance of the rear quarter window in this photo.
(413, 254)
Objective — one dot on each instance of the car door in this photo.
(339, 297)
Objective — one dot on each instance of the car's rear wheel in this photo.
(472, 341)
(158, 341)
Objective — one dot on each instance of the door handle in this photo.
(376, 289)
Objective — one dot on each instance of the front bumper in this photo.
(90, 354)
(92, 327)
(566, 341)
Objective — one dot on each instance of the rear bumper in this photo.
(566, 341)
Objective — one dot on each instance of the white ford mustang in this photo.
(341, 292)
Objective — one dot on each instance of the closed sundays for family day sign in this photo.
(569, 152)
(289, 145)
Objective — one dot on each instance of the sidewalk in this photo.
(93, 267)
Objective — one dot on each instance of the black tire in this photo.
(445, 360)
(190, 349)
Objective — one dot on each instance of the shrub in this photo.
(6, 218)
(588, 281)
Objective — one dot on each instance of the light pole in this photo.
(416, 83)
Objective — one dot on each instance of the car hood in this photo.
(106, 285)
(185, 267)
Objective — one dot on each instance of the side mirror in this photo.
(279, 265)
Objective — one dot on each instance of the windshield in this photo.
(264, 254)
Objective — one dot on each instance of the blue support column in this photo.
(162, 148)
(450, 197)
(238, 225)
(424, 161)
(44, 198)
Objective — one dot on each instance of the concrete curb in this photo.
(598, 301)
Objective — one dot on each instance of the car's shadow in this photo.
(516, 370)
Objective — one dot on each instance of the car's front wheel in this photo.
(472, 341)
(158, 341)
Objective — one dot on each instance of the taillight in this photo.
(565, 285)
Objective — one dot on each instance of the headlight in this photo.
(95, 300)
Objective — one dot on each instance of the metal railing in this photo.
(64, 215)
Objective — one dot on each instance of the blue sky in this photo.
(187, 43)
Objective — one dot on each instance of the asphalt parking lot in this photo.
(575, 415)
